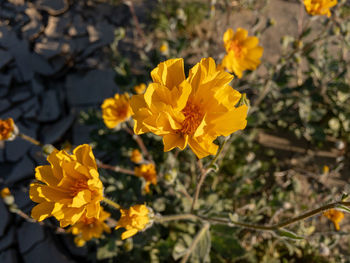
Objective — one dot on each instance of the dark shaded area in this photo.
(54, 63)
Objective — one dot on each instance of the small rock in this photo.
(91, 88)
(29, 235)
(34, 27)
(78, 27)
(9, 256)
(52, 132)
(23, 170)
(4, 218)
(50, 109)
(4, 104)
(52, 6)
(56, 26)
(5, 57)
(8, 239)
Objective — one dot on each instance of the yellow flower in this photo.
(335, 216)
(148, 172)
(136, 156)
(192, 111)
(8, 130)
(325, 169)
(5, 192)
(116, 110)
(87, 228)
(140, 89)
(133, 220)
(164, 48)
(243, 52)
(70, 187)
(319, 7)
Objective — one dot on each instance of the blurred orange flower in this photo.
(335, 216)
(148, 172)
(243, 52)
(5, 192)
(8, 130)
(136, 156)
(133, 220)
(88, 228)
(319, 7)
(116, 110)
(70, 187)
(190, 111)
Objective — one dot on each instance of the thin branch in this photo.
(140, 143)
(195, 242)
(111, 203)
(114, 168)
(30, 139)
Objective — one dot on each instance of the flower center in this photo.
(236, 48)
(193, 117)
(78, 186)
(122, 110)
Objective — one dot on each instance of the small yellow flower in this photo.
(116, 110)
(140, 89)
(5, 192)
(148, 172)
(136, 156)
(190, 111)
(335, 216)
(164, 48)
(88, 228)
(133, 220)
(243, 52)
(70, 187)
(325, 169)
(319, 7)
(8, 130)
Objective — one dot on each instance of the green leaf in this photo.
(202, 250)
(343, 208)
(289, 234)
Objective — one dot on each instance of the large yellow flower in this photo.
(8, 129)
(70, 187)
(133, 220)
(88, 228)
(319, 7)
(243, 52)
(148, 172)
(335, 216)
(116, 110)
(192, 111)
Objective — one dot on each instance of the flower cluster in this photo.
(135, 219)
(190, 111)
(319, 7)
(116, 110)
(69, 188)
(136, 156)
(243, 52)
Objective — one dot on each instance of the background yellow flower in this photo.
(319, 7)
(139, 89)
(87, 228)
(133, 220)
(136, 156)
(243, 52)
(69, 187)
(148, 172)
(116, 110)
(335, 216)
(192, 111)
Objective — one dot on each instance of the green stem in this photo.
(111, 203)
(253, 226)
(30, 139)
(204, 174)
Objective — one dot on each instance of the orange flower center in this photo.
(193, 118)
(236, 48)
(78, 186)
(122, 110)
